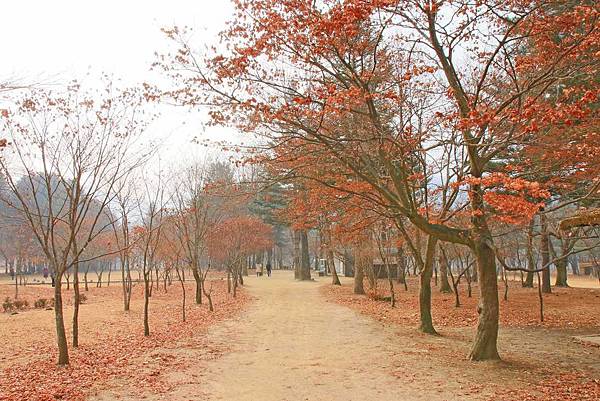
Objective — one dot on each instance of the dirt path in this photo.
(293, 345)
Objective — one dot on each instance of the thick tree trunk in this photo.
(61, 336)
(561, 266)
(305, 260)
(530, 261)
(331, 264)
(245, 267)
(445, 284)
(391, 284)
(240, 275)
(296, 238)
(210, 302)
(561, 274)
(426, 324)
(85, 278)
(359, 276)
(485, 343)
(235, 282)
(198, 281)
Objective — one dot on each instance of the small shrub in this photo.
(21, 304)
(82, 298)
(8, 305)
(42, 303)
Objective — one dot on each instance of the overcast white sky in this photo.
(67, 38)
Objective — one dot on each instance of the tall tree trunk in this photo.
(245, 267)
(147, 290)
(198, 281)
(76, 302)
(561, 266)
(359, 275)
(545, 252)
(331, 263)
(85, 278)
(17, 278)
(401, 264)
(183, 298)
(445, 284)
(391, 284)
(61, 336)
(530, 260)
(126, 282)
(484, 346)
(207, 294)
(426, 324)
(296, 238)
(305, 260)
(561, 273)
(234, 274)
(239, 272)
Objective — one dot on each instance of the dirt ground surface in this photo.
(113, 353)
(294, 344)
(311, 341)
(289, 345)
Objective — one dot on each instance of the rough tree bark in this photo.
(445, 284)
(61, 336)
(530, 260)
(561, 264)
(296, 240)
(305, 260)
(359, 276)
(485, 344)
(198, 281)
(426, 324)
(331, 264)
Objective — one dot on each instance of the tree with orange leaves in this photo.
(235, 238)
(377, 86)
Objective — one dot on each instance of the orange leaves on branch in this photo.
(237, 237)
(514, 200)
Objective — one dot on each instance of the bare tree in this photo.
(66, 152)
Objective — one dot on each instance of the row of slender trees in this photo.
(78, 189)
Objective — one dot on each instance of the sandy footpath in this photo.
(293, 345)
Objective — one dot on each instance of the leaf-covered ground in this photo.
(113, 350)
(541, 360)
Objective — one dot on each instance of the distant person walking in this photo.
(45, 272)
(269, 269)
(12, 273)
